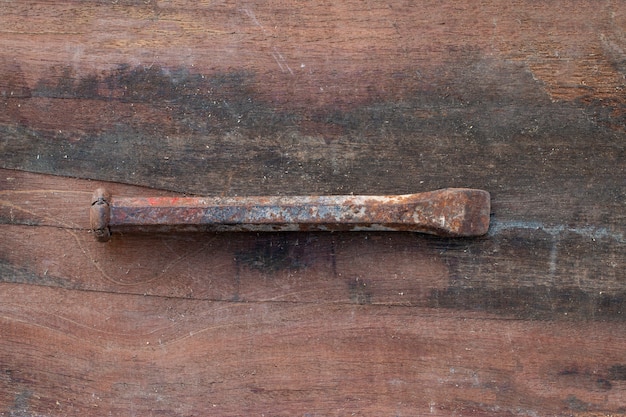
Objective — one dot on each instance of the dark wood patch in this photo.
(218, 134)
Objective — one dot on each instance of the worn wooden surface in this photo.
(523, 99)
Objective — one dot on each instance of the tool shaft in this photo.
(447, 212)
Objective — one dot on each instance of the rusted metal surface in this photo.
(446, 212)
(100, 214)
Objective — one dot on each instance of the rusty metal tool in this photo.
(446, 212)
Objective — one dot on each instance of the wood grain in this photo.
(523, 99)
(519, 322)
(284, 98)
(163, 356)
(529, 271)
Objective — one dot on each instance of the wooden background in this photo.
(524, 99)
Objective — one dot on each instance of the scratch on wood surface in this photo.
(158, 276)
(73, 229)
(280, 60)
(43, 195)
(252, 17)
(592, 232)
(66, 331)
(177, 333)
(278, 57)
(44, 191)
(46, 33)
(556, 232)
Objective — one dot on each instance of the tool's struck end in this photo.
(100, 214)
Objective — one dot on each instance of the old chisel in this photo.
(446, 212)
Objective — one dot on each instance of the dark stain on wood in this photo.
(274, 252)
(21, 402)
(359, 291)
(152, 126)
(9, 273)
(537, 302)
(617, 372)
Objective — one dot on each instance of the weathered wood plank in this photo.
(525, 100)
(574, 48)
(92, 353)
(523, 270)
(359, 97)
